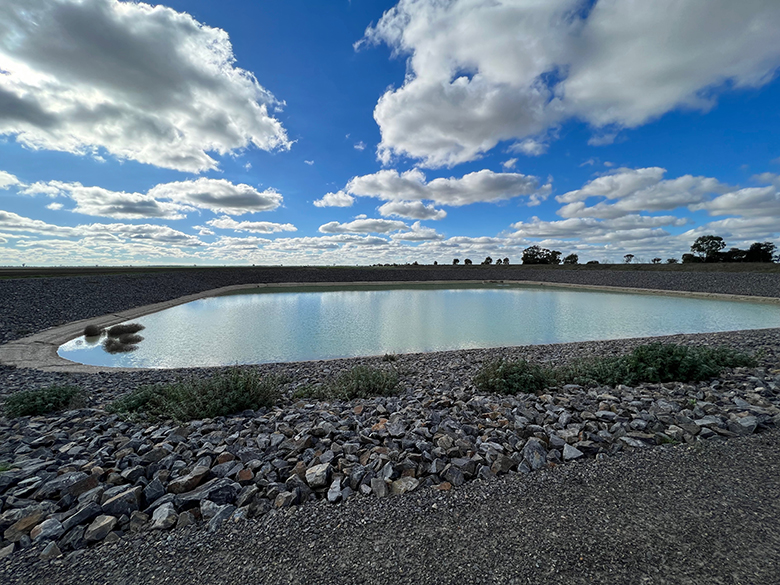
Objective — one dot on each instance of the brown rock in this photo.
(23, 526)
(100, 528)
(189, 482)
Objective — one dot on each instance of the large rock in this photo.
(317, 476)
(100, 528)
(50, 529)
(22, 527)
(84, 514)
(219, 490)
(164, 517)
(570, 453)
(403, 485)
(126, 502)
(53, 488)
(188, 482)
(222, 514)
(535, 453)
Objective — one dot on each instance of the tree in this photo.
(708, 247)
(498, 262)
(628, 258)
(735, 255)
(506, 261)
(435, 263)
(656, 260)
(488, 260)
(467, 261)
(761, 252)
(537, 255)
(571, 259)
(691, 259)
(671, 260)
(455, 261)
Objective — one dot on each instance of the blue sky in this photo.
(361, 132)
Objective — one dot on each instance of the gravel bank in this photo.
(586, 490)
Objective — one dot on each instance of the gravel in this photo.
(565, 507)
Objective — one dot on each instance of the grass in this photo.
(118, 330)
(4, 467)
(43, 401)
(654, 363)
(359, 382)
(231, 392)
(114, 345)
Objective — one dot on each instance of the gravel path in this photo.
(705, 511)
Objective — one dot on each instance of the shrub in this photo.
(118, 330)
(228, 393)
(359, 382)
(113, 345)
(92, 331)
(512, 377)
(130, 338)
(43, 400)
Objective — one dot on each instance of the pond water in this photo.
(281, 325)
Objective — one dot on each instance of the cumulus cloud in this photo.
(360, 145)
(411, 210)
(483, 72)
(218, 195)
(8, 180)
(417, 233)
(339, 199)
(637, 190)
(483, 186)
(257, 227)
(55, 206)
(509, 164)
(378, 226)
(749, 202)
(591, 229)
(143, 82)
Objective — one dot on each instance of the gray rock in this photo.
(284, 500)
(53, 488)
(535, 453)
(222, 514)
(7, 551)
(51, 551)
(219, 490)
(164, 517)
(334, 492)
(208, 509)
(379, 487)
(403, 485)
(50, 529)
(453, 475)
(185, 519)
(318, 476)
(189, 482)
(124, 503)
(502, 464)
(73, 539)
(744, 425)
(570, 453)
(154, 490)
(100, 528)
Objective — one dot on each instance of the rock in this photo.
(379, 487)
(570, 453)
(164, 517)
(208, 509)
(50, 529)
(334, 492)
(22, 527)
(84, 485)
(7, 551)
(317, 476)
(51, 551)
(403, 485)
(112, 538)
(154, 490)
(53, 488)
(535, 453)
(219, 490)
(744, 425)
(124, 503)
(453, 475)
(73, 539)
(185, 519)
(190, 481)
(284, 500)
(138, 521)
(222, 514)
(99, 528)
(502, 464)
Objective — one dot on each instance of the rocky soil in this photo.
(84, 479)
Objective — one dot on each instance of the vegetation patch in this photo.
(118, 330)
(228, 393)
(92, 331)
(359, 382)
(114, 345)
(43, 401)
(653, 363)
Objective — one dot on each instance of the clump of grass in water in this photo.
(43, 401)
(359, 382)
(118, 330)
(655, 362)
(114, 345)
(228, 393)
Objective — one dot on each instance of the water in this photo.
(308, 324)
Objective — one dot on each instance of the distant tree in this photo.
(467, 261)
(628, 258)
(506, 261)
(537, 255)
(435, 263)
(761, 252)
(656, 260)
(498, 262)
(734, 255)
(554, 257)
(592, 262)
(708, 247)
(571, 259)
(487, 260)
(455, 261)
(691, 259)
(671, 260)
(415, 263)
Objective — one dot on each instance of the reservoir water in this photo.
(281, 325)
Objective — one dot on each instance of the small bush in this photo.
(43, 401)
(359, 382)
(118, 330)
(92, 331)
(130, 338)
(113, 345)
(512, 377)
(231, 392)
(389, 357)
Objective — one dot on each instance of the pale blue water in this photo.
(317, 324)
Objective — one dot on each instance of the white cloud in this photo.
(360, 145)
(411, 210)
(591, 229)
(482, 72)
(144, 83)
(8, 180)
(218, 195)
(530, 147)
(55, 206)
(749, 202)
(257, 227)
(481, 186)
(509, 164)
(339, 199)
(417, 233)
(637, 190)
(309, 162)
(379, 226)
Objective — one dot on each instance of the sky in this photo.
(369, 131)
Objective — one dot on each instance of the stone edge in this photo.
(39, 351)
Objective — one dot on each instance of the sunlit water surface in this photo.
(312, 324)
